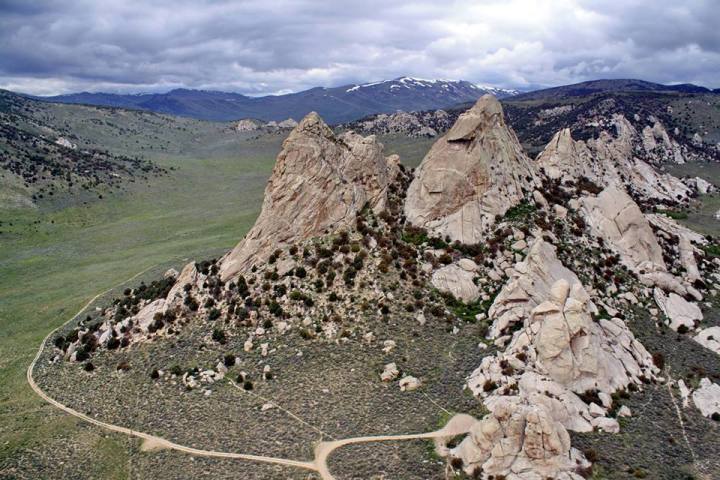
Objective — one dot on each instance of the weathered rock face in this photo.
(456, 281)
(520, 440)
(709, 338)
(565, 159)
(679, 311)
(475, 172)
(559, 351)
(319, 184)
(561, 342)
(248, 125)
(615, 217)
(707, 398)
(528, 287)
(609, 161)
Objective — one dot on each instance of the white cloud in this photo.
(267, 47)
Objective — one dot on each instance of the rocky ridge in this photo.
(552, 270)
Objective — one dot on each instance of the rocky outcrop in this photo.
(529, 286)
(679, 312)
(412, 124)
(565, 159)
(707, 398)
(319, 184)
(520, 441)
(248, 125)
(565, 351)
(288, 123)
(456, 281)
(64, 142)
(474, 173)
(609, 160)
(709, 338)
(616, 218)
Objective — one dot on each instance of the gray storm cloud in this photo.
(278, 46)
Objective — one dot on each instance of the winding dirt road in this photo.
(459, 424)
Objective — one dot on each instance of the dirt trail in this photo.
(459, 424)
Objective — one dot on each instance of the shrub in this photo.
(676, 215)
(89, 367)
(659, 360)
(123, 366)
(300, 272)
(154, 374)
(520, 211)
(213, 314)
(247, 385)
(275, 308)
(81, 355)
(229, 360)
(445, 259)
(219, 336)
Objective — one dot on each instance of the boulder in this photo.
(709, 338)
(389, 373)
(678, 310)
(319, 185)
(476, 171)
(409, 383)
(615, 217)
(707, 398)
(456, 281)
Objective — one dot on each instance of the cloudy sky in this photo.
(277, 46)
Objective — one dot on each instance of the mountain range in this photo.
(338, 104)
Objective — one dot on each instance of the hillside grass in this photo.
(54, 258)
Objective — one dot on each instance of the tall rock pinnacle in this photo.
(475, 172)
(319, 184)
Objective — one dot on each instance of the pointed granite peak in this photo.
(486, 112)
(313, 124)
(319, 184)
(474, 173)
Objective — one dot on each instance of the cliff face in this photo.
(319, 184)
(475, 172)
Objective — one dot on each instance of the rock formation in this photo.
(709, 338)
(474, 173)
(561, 352)
(528, 287)
(707, 398)
(318, 186)
(520, 441)
(248, 125)
(609, 161)
(457, 281)
(615, 217)
(679, 311)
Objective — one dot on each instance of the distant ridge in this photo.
(338, 104)
(609, 86)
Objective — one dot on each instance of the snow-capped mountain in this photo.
(337, 104)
